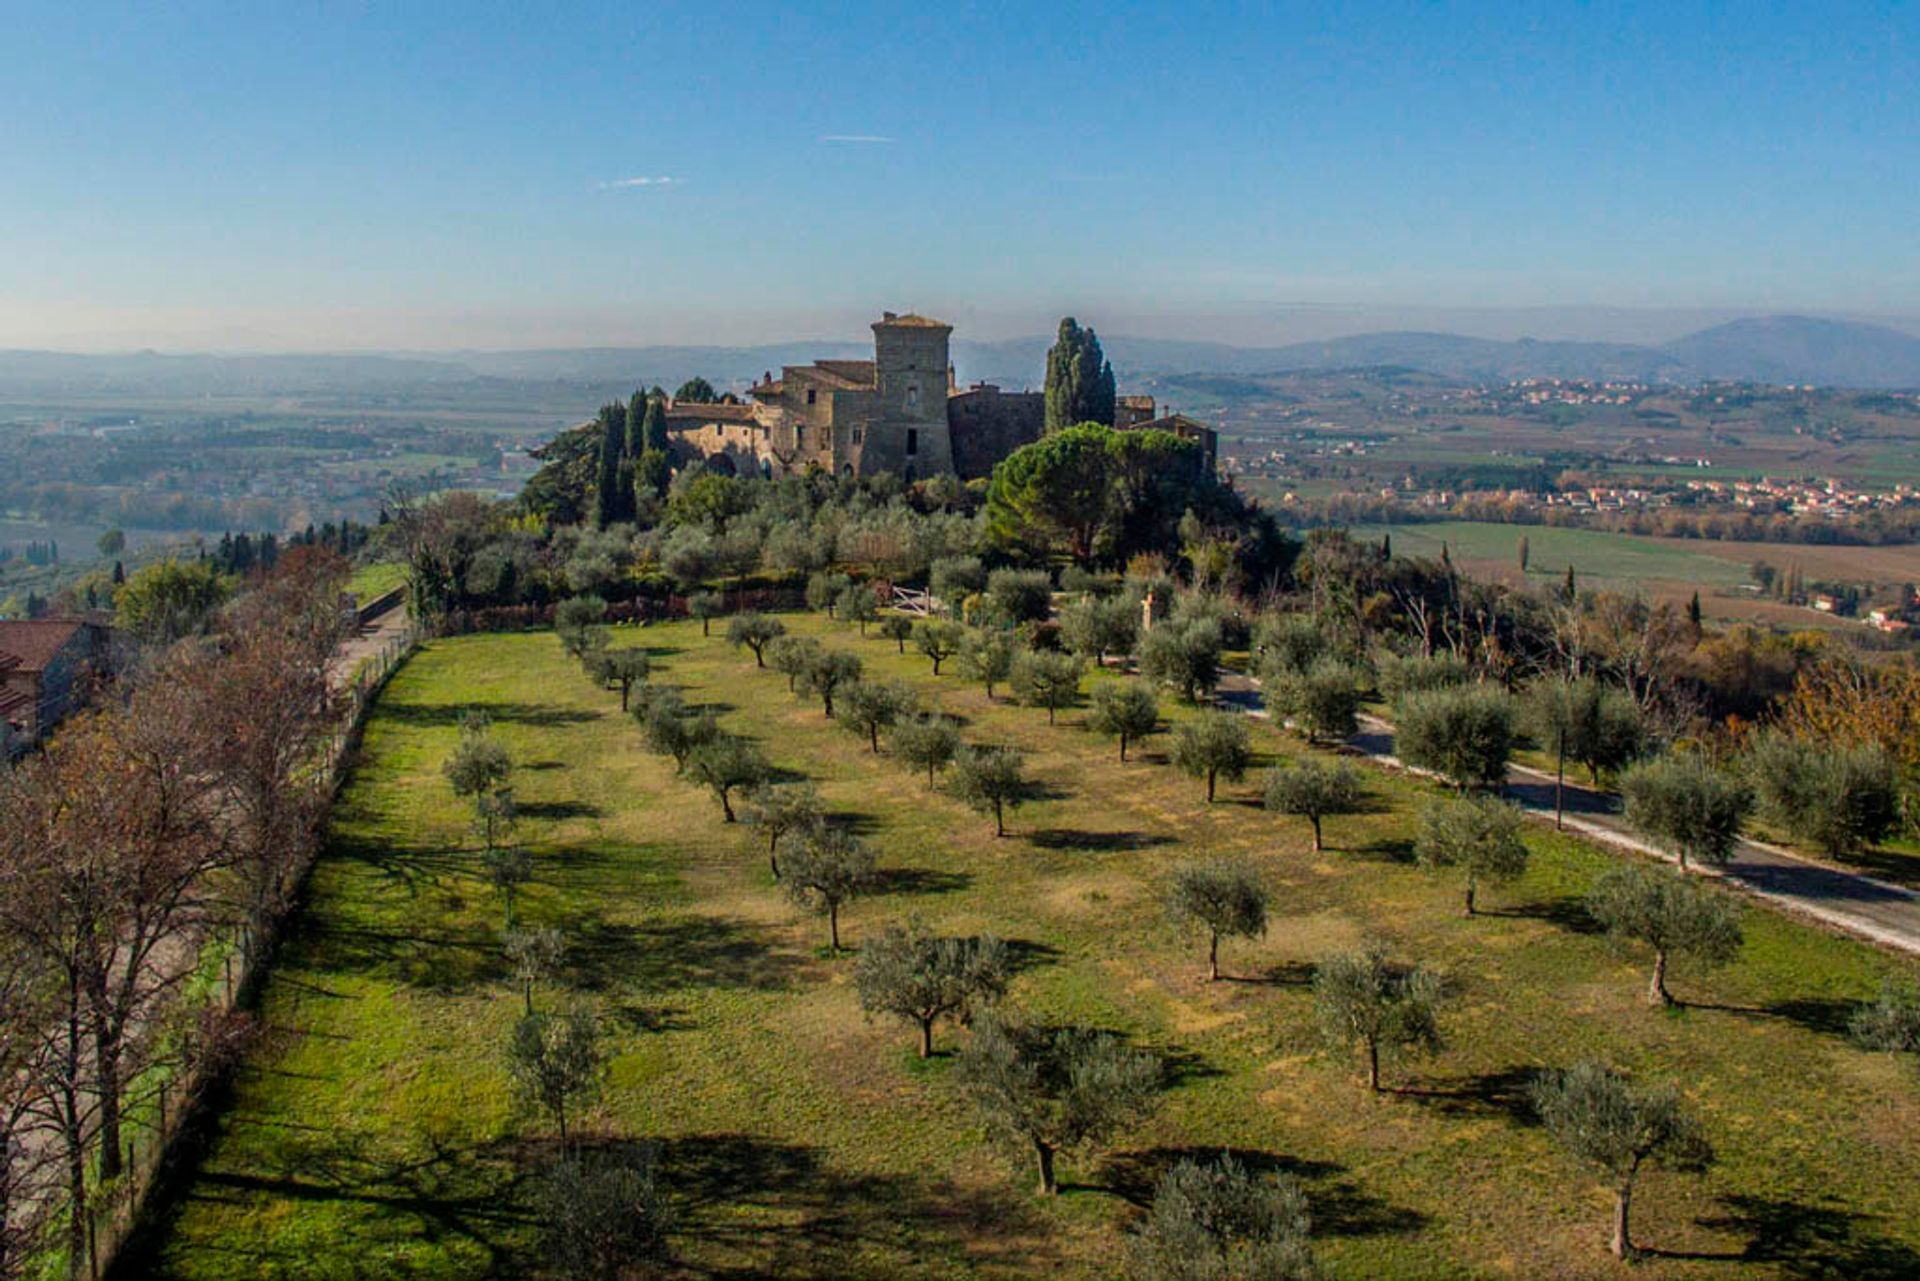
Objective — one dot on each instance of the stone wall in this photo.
(987, 424)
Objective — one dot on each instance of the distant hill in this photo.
(1773, 349)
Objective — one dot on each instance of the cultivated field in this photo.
(373, 1133)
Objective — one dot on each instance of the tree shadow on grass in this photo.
(1393, 849)
(1026, 954)
(556, 811)
(673, 953)
(769, 1208)
(919, 880)
(1285, 974)
(1816, 1014)
(1340, 1207)
(1808, 1240)
(1568, 912)
(1068, 838)
(1500, 1092)
(508, 713)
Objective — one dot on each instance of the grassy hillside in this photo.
(373, 1134)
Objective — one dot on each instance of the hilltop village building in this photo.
(900, 412)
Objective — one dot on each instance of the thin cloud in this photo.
(863, 138)
(622, 184)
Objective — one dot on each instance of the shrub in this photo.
(1465, 735)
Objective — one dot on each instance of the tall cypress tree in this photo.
(636, 419)
(654, 431)
(1079, 379)
(613, 490)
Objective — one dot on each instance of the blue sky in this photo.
(416, 175)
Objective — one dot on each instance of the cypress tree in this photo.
(636, 442)
(614, 496)
(654, 431)
(1079, 379)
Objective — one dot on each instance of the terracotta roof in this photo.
(855, 371)
(710, 413)
(911, 321)
(1179, 424)
(12, 700)
(35, 641)
(827, 376)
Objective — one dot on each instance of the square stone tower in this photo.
(907, 433)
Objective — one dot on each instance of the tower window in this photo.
(799, 437)
(913, 398)
(811, 393)
(913, 441)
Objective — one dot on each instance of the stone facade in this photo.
(899, 412)
(42, 661)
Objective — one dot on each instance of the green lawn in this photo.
(1596, 555)
(372, 1133)
(370, 582)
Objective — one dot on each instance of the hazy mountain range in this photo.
(1772, 349)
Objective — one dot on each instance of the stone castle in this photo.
(900, 412)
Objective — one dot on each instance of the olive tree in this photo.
(1315, 790)
(1685, 806)
(1584, 721)
(1186, 657)
(857, 605)
(1218, 1221)
(726, 763)
(575, 622)
(1462, 733)
(791, 656)
(754, 632)
(1617, 1128)
(672, 729)
(988, 658)
(1891, 1023)
(781, 810)
(926, 742)
(1019, 595)
(952, 579)
(868, 707)
(706, 606)
(622, 669)
(1840, 799)
(533, 956)
(1289, 645)
(939, 640)
(1225, 897)
(1478, 835)
(1673, 915)
(920, 978)
(1094, 628)
(1123, 710)
(1322, 702)
(557, 1062)
(1042, 679)
(507, 869)
(830, 671)
(826, 871)
(1213, 745)
(897, 628)
(989, 779)
(824, 589)
(1362, 1000)
(1049, 1090)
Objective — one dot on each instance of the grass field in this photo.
(370, 582)
(372, 1133)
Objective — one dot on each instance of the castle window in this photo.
(799, 437)
(913, 398)
(857, 434)
(811, 393)
(913, 441)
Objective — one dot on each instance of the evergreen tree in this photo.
(613, 494)
(1080, 385)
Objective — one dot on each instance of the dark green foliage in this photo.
(1213, 745)
(1094, 628)
(1057, 493)
(613, 481)
(169, 600)
(622, 669)
(1671, 913)
(653, 431)
(1223, 896)
(939, 640)
(830, 671)
(1839, 799)
(1315, 789)
(602, 1216)
(724, 764)
(1080, 384)
(1686, 806)
(1123, 710)
(1219, 1222)
(557, 1062)
(1323, 701)
(868, 707)
(1043, 679)
(1019, 596)
(857, 605)
(1618, 1128)
(989, 779)
(825, 871)
(1363, 1000)
(920, 978)
(954, 578)
(897, 628)
(1046, 1090)
(696, 391)
(925, 742)
(1187, 657)
(754, 631)
(1463, 734)
(781, 811)
(1478, 835)
(576, 621)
